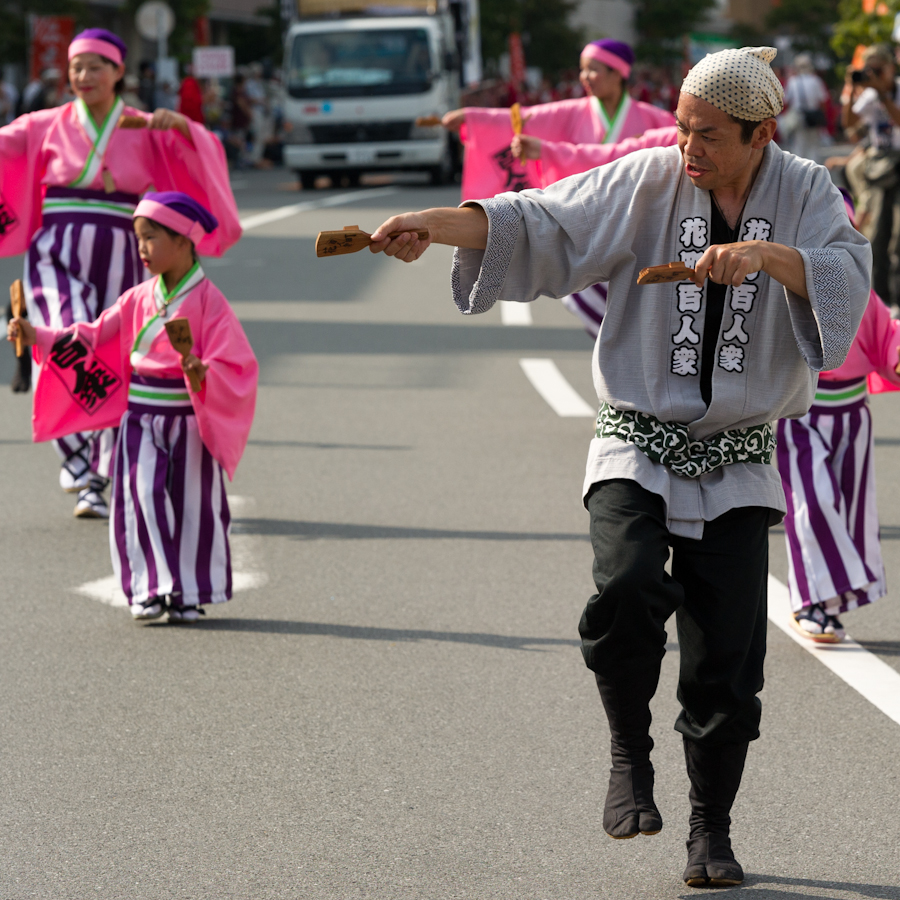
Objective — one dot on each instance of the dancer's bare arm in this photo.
(466, 227)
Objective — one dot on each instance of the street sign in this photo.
(154, 20)
(213, 62)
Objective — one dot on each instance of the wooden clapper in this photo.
(352, 240)
(180, 337)
(515, 118)
(17, 302)
(674, 271)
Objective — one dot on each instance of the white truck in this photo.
(358, 76)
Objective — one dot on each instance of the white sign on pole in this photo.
(154, 18)
(213, 62)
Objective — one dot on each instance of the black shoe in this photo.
(715, 772)
(629, 809)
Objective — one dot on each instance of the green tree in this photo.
(856, 27)
(661, 26)
(809, 24)
(550, 41)
(258, 42)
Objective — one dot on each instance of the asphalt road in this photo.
(394, 706)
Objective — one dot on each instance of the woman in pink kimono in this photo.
(70, 178)
(606, 115)
(182, 420)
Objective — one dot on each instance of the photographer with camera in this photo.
(870, 99)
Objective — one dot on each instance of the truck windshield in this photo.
(354, 63)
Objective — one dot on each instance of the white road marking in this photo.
(515, 314)
(550, 383)
(244, 560)
(852, 663)
(285, 212)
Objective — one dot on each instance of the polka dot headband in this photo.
(739, 82)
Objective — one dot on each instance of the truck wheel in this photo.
(353, 179)
(307, 179)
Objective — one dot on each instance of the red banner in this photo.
(516, 60)
(50, 39)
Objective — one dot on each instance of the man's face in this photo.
(710, 144)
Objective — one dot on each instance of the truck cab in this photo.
(354, 88)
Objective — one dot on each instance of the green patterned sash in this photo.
(670, 444)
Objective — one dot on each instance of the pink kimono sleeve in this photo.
(879, 339)
(559, 159)
(227, 399)
(84, 373)
(199, 169)
(21, 190)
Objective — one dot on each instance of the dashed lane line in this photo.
(285, 212)
(551, 384)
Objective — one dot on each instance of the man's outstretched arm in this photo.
(466, 227)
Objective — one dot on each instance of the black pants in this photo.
(717, 590)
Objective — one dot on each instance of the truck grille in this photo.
(360, 132)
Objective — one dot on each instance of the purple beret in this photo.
(179, 212)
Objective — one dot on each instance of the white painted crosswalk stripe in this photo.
(245, 556)
(851, 662)
(551, 384)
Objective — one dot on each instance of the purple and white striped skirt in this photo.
(831, 526)
(79, 262)
(168, 511)
(589, 306)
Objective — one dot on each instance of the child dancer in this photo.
(70, 178)
(169, 512)
(826, 465)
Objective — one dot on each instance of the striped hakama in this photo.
(81, 259)
(831, 526)
(169, 512)
(589, 306)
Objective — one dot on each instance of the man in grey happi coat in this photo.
(690, 377)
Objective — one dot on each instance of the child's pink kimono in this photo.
(169, 513)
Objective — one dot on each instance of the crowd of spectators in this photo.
(244, 111)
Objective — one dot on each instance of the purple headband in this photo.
(179, 212)
(99, 40)
(615, 54)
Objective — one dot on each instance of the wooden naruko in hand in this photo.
(17, 302)
(675, 271)
(515, 118)
(352, 240)
(132, 122)
(180, 337)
